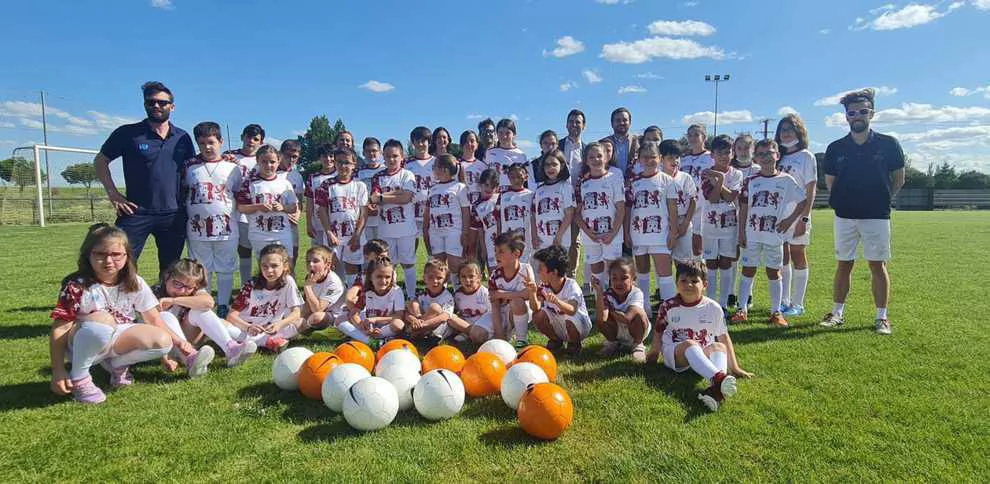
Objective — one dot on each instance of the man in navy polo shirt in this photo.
(864, 170)
(154, 152)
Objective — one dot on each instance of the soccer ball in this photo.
(501, 348)
(482, 374)
(516, 380)
(439, 395)
(314, 371)
(545, 411)
(397, 344)
(401, 358)
(339, 381)
(443, 356)
(356, 352)
(540, 357)
(285, 369)
(403, 379)
(370, 404)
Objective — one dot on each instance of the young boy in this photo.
(769, 203)
(328, 170)
(507, 288)
(372, 150)
(694, 163)
(687, 191)
(447, 214)
(342, 206)
(621, 312)
(601, 203)
(421, 166)
(514, 207)
(267, 199)
(392, 193)
(720, 227)
(209, 183)
(563, 315)
(506, 154)
(289, 154)
(322, 290)
(692, 334)
(252, 137)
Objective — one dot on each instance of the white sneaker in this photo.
(882, 326)
(198, 364)
(728, 386)
(639, 353)
(238, 353)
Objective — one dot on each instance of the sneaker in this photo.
(198, 363)
(709, 398)
(552, 345)
(461, 338)
(121, 377)
(727, 386)
(739, 317)
(731, 302)
(785, 307)
(794, 310)
(85, 391)
(726, 314)
(609, 348)
(749, 303)
(222, 311)
(238, 353)
(573, 349)
(521, 343)
(639, 353)
(832, 321)
(276, 344)
(777, 319)
(882, 326)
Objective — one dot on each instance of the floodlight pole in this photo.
(716, 78)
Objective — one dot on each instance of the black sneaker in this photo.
(731, 303)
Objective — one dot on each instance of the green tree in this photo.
(915, 178)
(19, 171)
(973, 180)
(80, 174)
(944, 176)
(319, 132)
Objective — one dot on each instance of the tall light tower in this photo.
(716, 78)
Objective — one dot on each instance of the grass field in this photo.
(837, 405)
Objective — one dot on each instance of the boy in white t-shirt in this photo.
(267, 199)
(695, 163)
(601, 208)
(373, 164)
(252, 137)
(620, 312)
(289, 154)
(484, 217)
(421, 166)
(447, 214)
(720, 227)
(508, 289)
(686, 203)
(328, 170)
(323, 290)
(563, 315)
(651, 220)
(342, 207)
(392, 194)
(515, 208)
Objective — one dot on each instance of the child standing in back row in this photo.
(373, 164)
(670, 154)
(515, 207)
(506, 153)
(342, 205)
(392, 194)
(328, 170)
(720, 188)
(601, 208)
(651, 208)
(267, 199)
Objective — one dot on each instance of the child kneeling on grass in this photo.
(563, 315)
(621, 312)
(691, 332)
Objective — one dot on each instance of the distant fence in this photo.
(929, 199)
(24, 211)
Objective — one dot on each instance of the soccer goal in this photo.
(42, 178)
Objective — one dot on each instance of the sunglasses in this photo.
(157, 102)
(862, 112)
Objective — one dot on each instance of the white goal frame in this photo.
(37, 172)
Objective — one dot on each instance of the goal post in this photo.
(37, 149)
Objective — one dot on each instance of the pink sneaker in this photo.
(238, 353)
(85, 391)
(276, 344)
(121, 377)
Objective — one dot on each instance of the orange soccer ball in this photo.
(358, 353)
(314, 370)
(396, 344)
(540, 357)
(545, 411)
(482, 374)
(443, 356)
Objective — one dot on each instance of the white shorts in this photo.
(668, 358)
(696, 222)
(713, 248)
(486, 323)
(344, 253)
(651, 249)
(626, 338)
(449, 243)
(756, 254)
(215, 255)
(581, 322)
(804, 239)
(873, 233)
(402, 250)
(370, 232)
(242, 235)
(595, 252)
(107, 351)
(295, 234)
(284, 240)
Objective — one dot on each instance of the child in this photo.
(670, 154)
(652, 134)
(601, 208)
(469, 173)
(563, 315)
(515, 207)
(392, 193)
(799, 162)
(267, 199)
(692, 334)
(428, 316)
(472, 306)
(252, 137)
(379, 310)
(506, 153)
(94, 319)
(421, 166)
(342, 208)
(328, 170)
(651, 221)
(720, 227)
(439, 141)
(553, 204)
(372, 151)
(742, 160)
(507, 288)
(695, 163)
(620, 312)
(337, 312)
(446, 213)
(323, 290)
(210, 183)
(187, 309)
(289, 154)
(548, 143)
(266, 311)
(769, 203)
(484, 216)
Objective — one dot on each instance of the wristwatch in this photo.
(805, 219)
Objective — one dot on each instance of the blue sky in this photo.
(385, 67)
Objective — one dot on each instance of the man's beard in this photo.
(859, 126)
(157, 117)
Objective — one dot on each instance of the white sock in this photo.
(785, 283)
(775, 287)
(235, 333)
(410, 273)
(800, 286)
(173, 324)
(837, 309)
(388, 332)
(225, 284)
(138, 356)
(587, 273)
(726, 279)
(668, 288)
(699, 362)
(643, 282)
(602, 279)
(712, 283)
(349, 329)
(245, 269)
(745, 290)
(89, 343)
(212, 326)
(720, 360)
(521, 324)
(881, 313)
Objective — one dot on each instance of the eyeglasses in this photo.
(157, 102)
(179, 285)
(100, 255)
(488, 130)
(852, 113)
(763, 154)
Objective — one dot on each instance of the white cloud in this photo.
(276, 142)
(5, 124)
(476, 116)
(834, 99)
(566, 46)
(377, 86)
(70, 129)
(109, 122)
(591, 76)
(514, 117)
(648, 75)
(632, 90)
(825, 31)
(970, 134)
(681, 28)
(567, 86)
(785, 110)
(981, 4)
(888, 17)
(613, 2)
(690, 4)
(163, 4)
(882, 8)
(962, 91)
(724, 117)
(917, 113)
(645, 50)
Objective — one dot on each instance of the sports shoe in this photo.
(785, 307)
(573, 349)
(731, 302)
(727, 385)
(552, 345)
(198, 363)
(639, 353)
(276, 344)
(238, 353)
(777, 319)
(832, 321)
(749, 302)
(609, 348)
(882, 326)
(222, 311)
(521, 343)
(85, 391)
(739, 317)
(121, 377)
(794, 310)
(709, 399)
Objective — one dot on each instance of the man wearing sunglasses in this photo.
(154, 152)
(863, 171)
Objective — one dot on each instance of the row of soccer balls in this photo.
(435, 386)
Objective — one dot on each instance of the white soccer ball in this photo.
(336, 384)
(402, 358)
(285, 369)
(370, 404)
(517, 379)
(439, 395)
(403, 379)
(499, 347)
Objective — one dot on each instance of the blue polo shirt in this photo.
(152, 165)
(862, 185)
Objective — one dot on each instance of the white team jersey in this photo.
(549, 204)
(501, 159)
(633, 299)
(343, 203)
(802, 166)
(570, 292)
(211, 188)
(366, 175)
(380, 305)
(701, 322)
(695, 165)
(647, 199)
(472, 306)
(514, 212)
(330, 289)
(770, 199)
(423, 171)
(76, 300)
(472, 173)
(446, 201)
(720, 219)
(255, 190)
(396, 220)
(313, 182)
(748, 170)
(297, 181)
(265, 306)
(444, 299)
(246, 165)
(686, 191)
(598, 199)
(498, 281)
(484, 217)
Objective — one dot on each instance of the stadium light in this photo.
(716, 78)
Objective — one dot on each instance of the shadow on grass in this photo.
(294, 407)
(618, 367)
(24, 331)
(749, 333)
(24, 309)
(487, 407)
(509, 436)
(335, 430)
(22, 396)
(681, 386)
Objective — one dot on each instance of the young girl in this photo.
(548, 143)
(93, 321)
(322, 290)
(601, 208)
(621, 312)
(328, 169)
(651, 221)
(670, 154)
(440, 141)
(515, 207)
(695, 163)
(379, 310)
(506, 154)
(187, 309)
(484, 216)
(472, 306)
(267, 309)
(289, 153)
(470, 174)
(507, 289)
(392, 194)
(267, 199)
(342, 207)
(553, 204)
(799, 162)
(446, 213)
(720, 230)
(742, 160)
(428, 316)
(562, 314)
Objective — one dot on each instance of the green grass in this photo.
(839, 404)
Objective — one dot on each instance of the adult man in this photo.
(154, 152)
(626, 145)
(486, 137)
(573, 149)
(863, 171)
